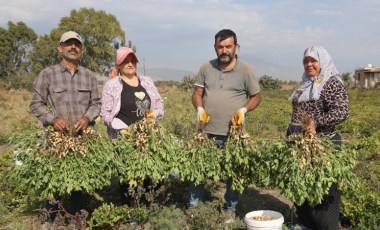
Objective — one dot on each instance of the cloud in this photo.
(322, 12)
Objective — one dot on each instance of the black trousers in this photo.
(324, 216)
(126, 198)
(77, 203)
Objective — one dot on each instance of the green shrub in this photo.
(187, 83)
(268, 83)
(169, 218)
(361, 208)
(109, 216)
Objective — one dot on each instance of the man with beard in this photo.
(225, 89)
(66, 97)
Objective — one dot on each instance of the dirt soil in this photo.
(256, 198)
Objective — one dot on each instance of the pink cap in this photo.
(122, 53)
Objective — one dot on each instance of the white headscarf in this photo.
(311, 87)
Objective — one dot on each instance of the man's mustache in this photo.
(74, 50)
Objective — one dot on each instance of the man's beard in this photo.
(226, 59)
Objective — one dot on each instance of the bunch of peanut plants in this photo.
(148, 152)
(305, 168)
(84, 166)
(237, 159)
(199, 159)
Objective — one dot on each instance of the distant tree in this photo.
(15, 45)
(187, 83)
(170, 83)
(102, 35)
(268, 83)
(5, 49)
(44, 53)
(292, 82)
(346, 77)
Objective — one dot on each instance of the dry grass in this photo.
(14, 111)
(289, 87)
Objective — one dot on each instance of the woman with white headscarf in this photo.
(322, 97)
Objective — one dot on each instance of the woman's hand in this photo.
(125, 133)
(311, 127)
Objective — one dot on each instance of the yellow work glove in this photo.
(150, 114)
(202, 115)
(125, 133)
(239, 117)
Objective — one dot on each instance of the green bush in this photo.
(187, 83)
(169, 218)
(268, 83)
(361, 207)
(109, 216)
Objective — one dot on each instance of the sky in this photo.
(180, 34)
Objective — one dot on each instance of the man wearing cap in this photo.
(66, 95)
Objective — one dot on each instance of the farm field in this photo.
(268, 122)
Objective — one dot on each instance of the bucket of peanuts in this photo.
(264, 220)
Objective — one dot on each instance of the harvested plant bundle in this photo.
(200, 160)
(306, 168)
(45, 170)
(148, 152)
(238, 159)
(63, 143)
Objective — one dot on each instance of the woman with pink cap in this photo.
(128, 97)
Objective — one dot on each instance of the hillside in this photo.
(261, 66)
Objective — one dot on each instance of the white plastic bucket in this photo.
(275, 224)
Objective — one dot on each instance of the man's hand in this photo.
(82, 123)
(60, 124)
(239, 117)
(202, 115)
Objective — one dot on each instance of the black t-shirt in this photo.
(135, 102)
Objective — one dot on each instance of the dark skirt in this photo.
(324, 215)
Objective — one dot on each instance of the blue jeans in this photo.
(196, 191)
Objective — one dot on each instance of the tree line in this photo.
(23, 51)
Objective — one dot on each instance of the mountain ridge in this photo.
(261, 67)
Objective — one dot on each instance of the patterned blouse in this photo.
(330, 109)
